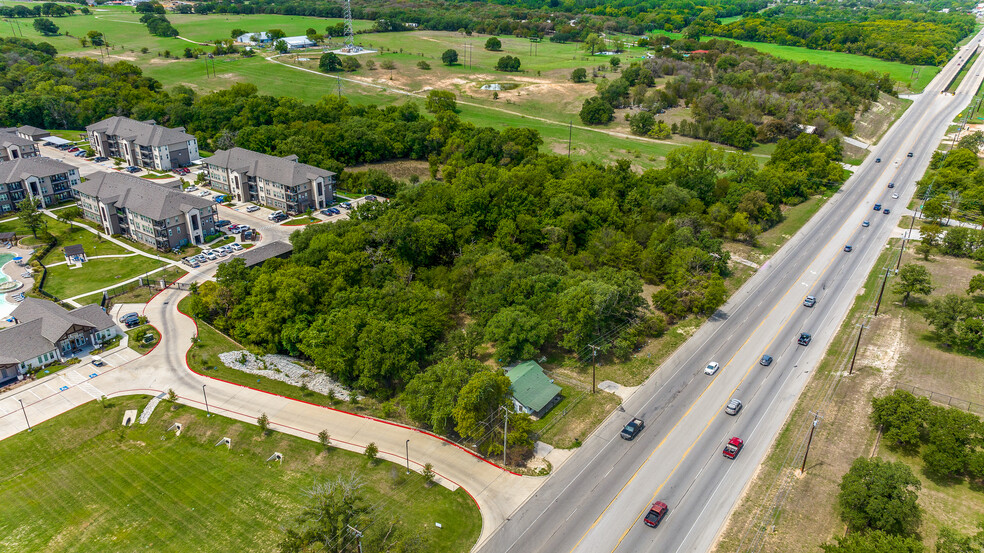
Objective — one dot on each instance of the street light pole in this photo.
(408, 456)
(856, 346)
(594, 366)
(25, 414)
(207, 412)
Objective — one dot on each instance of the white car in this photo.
(191, 189)
(895, 196)
(211, 256)
(242, 228)
(236, 246)
(712, 368)
(252, 208)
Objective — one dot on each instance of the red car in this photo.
(656, 514)
(733, 448)
(72, 150)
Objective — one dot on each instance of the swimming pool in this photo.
(5, 307)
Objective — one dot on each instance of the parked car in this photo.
(252, 208)
(733, 406)
(128, 316)
(237, 246)
(223, 223)
(766, 360)
(80, 153)
(335, 210)
(326, 212)
(73, 149)
(632, 429)
(132, 169)
(233, 228)
(242, 228)
(733, 448)
(97, 361)
(370, 198)
(130, 323)
(347, 205)
(804, 339)
(810, 301)
(100, 159)
(712, 368)
(656, 514)
(274, 215)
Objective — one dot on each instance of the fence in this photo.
(167, 280)
(943, 399)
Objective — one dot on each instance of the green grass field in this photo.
(65, 283)
(81, 482)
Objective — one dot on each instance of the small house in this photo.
(532, 391)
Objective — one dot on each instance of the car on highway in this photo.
(252, 208)
(877, 207)
(909, 155)
(733, 448)
(810, 301)
(733, 406)
(887, 211)
(632, 429)
(895, 196)
(848, 248)
(891, 185)
(877, 160)
(804, 339)
(656, 514)
(865, 223)
(712, 368)
(766, 360)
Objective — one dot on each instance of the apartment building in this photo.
(144, 211)
(143, 143)
(49, 180)
(13, 145)
(278, 182)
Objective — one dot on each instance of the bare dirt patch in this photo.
(399, 169)
(870, 126)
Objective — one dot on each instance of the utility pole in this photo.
(856, 345)
(505, 434)
(882, 291)
(358, 536)
(816, 420)
(408, 456)
(207, 412)
(594, 365)
(25, 414)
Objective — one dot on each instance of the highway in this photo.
(596, 500)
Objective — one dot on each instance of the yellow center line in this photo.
(687, 452)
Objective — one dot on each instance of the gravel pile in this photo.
(284, 369)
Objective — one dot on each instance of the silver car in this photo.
(733, 406)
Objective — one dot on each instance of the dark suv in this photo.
(804, 339)
(632, 429)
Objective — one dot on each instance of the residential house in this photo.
(28, 132)
(295, 42)
(532, 391)
(159, 216)
(45, 332)
(143, 143)
(49, 180)
(14, 146)
(279, 182)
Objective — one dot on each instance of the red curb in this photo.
(398, 425)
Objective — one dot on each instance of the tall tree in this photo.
(880, 495)
(913, 279)
(875, 542)
(449, 57)
(30, 214)
(478, 401)
(45, 26)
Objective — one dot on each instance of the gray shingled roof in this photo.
(142, 133)
(282, 170)
(20, 169)
(40, 323)
(74, 249)
(33, 131)
(259, 254)
(140, 195)
(10, 139)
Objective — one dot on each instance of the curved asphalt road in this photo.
(596, 500)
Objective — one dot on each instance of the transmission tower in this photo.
(349, 32)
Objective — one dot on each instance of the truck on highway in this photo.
(630, 430)
(656, 514)
(733, 448)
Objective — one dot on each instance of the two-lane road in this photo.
(596, 500)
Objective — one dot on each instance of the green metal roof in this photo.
(530, 386)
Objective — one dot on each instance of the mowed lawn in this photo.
(81, 482)
(64, 283)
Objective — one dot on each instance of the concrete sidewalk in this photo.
(497, 492)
